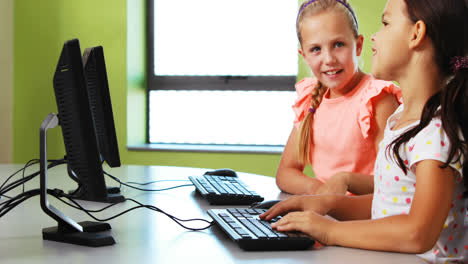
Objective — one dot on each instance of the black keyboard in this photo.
(227, 190)
(244, 227)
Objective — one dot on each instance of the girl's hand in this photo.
(342, 182)
(320, 204)
(338, 184)
(315, 225)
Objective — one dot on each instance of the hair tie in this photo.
(339, 1)
(458, 63)
(311, 110)
(303, 7)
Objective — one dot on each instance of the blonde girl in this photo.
(340, 113)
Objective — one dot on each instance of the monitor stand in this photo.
(111, 194)
(68, 231)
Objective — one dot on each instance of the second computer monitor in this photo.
(101, 106)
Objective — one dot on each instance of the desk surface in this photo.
(144, 236)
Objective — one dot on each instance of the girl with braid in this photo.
(340, 113)
(420, 193)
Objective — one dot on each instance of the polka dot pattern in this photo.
(394, 191)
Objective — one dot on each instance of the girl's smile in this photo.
(331, 51)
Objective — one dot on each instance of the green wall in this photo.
(40, 29)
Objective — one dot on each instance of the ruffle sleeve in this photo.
(301, 106)
(374, 88)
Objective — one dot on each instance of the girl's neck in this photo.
(420, 82)
(348, 87)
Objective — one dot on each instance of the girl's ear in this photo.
(301, 52)
(359, 45)
(418, 34)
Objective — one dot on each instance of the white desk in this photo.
(144, 236)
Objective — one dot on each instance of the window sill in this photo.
(208, 148)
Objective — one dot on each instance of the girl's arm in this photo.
(416, 232)
(289, 176)
(384, 105)
(339, 206)
(356, 183)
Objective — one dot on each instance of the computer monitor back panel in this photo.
(76, 121)
(101, 106)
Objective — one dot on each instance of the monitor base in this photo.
(113, 196)
(91, 235)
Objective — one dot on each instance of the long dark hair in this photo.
(447, 27)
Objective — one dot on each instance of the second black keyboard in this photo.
(224, 190)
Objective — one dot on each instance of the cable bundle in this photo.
(12, 202)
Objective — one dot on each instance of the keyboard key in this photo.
(253, 228)
(266, 230)
(252, 212)
(243, 233)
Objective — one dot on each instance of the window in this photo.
(221, 72)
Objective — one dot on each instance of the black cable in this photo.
(140, 205)
(33, 161)
(9, 205)
(151, 182)
(18, 171)
(15, 201)
(12, 202)
(6, 188)
(176, 219)
(78, 208)
(146, 190)
(17, 183)
(28, 164)
(5, 210)
(102, 164)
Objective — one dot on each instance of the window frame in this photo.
(220, 83)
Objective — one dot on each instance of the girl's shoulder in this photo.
(371, 89)
(432, 142)
(301, 106)
(306, 86)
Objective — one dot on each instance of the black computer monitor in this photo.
(101, 105)
(79, 129)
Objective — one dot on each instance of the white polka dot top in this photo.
(394, 191)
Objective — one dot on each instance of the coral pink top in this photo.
(342, 139)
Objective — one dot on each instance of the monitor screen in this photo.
(78, 128)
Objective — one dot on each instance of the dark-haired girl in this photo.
(421, 172)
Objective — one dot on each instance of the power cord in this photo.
(151, 182)
(140, 205)
(4, 188)
(28, 164)
(12, 202)
(9, 204)
(142, 189)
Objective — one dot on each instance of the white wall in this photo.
(6, 80)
